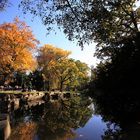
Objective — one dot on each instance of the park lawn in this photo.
(16, 92)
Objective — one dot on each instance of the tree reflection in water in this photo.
(129, 132)
(60, 120)
(54, 120)
(122, 114)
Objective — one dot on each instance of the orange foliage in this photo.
(24, 131)
(17, 45)
(50, 55)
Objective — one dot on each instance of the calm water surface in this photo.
(72, 119)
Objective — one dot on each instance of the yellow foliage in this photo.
(17, 45)
(49, 55)
(24, 131)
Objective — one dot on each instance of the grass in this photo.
(26, 92)
(17, 92)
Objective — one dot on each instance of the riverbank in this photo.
(5, 128)
(18, 101)
(13, 99)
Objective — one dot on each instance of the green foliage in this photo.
(62, 116)
(66, 73)
(60, 72)
(83, 75)
(106, 22)
(122, 71)
(48, 57)
(52, 120)
(115, 87)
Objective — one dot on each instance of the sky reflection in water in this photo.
(93, 130)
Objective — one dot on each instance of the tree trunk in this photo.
(61, 86)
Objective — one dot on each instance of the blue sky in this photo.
(39, 30)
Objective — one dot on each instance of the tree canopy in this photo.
(48, 55)
(3, 4)
(53, 67)
(58, 70)
(109, 23)
(17, 44)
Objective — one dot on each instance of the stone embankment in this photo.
(5, 129)
(25, 97)
(14, 101)
(11, 101)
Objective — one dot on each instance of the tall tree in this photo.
(70, 74)
(17, 45)
(48, 57)
(83, 76)
(58, 70)
(66, 73)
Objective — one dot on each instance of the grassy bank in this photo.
(17, 92)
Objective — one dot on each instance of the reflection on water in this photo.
(57, 120)
(72, 119)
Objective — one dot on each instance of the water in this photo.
(72, 119)
(93, 129)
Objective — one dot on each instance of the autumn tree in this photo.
(17, 45)
(62, 117)
(24, 131)
(59, 71)
(66, 73)
(72, 74)
(48, 57)
(115, 26)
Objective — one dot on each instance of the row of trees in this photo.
(115, 27)
(59, 71)
(51, 67)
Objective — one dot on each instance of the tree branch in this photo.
(76, 16)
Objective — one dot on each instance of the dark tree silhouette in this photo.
(109, 23)
(3, 4)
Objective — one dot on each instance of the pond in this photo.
(71, 119)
